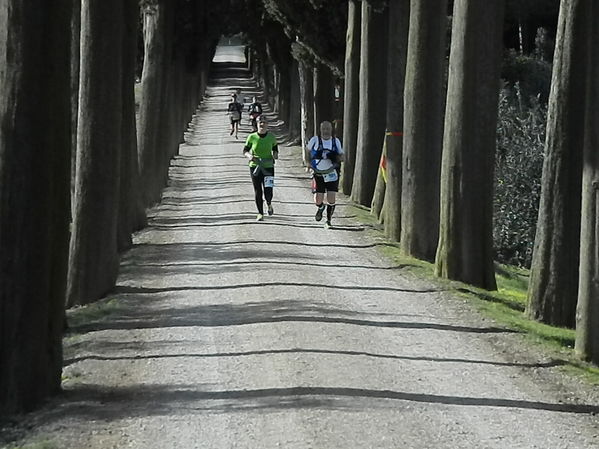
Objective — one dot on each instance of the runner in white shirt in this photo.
(326, 155)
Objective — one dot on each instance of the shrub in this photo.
(518, 169)
(531, 73)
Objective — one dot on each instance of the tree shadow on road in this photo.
(134, 316)
(536, 365)
(97, 403)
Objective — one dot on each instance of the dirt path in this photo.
(230, 333)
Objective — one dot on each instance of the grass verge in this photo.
(505, 306)
(80, 317)
(37, 445)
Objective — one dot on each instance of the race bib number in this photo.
(330, 177)
(269, 181)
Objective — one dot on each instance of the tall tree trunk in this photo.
(373, 97)
(338, 109)
(283, 64)
(465, 249)
(399, 23)
(553, 287)
(94, 261)
(351, 94)
(324, 90)
(35, 139)
(295, 116)
(423, 128)
(75, 49)
(131, 210)
(307, 100)
(587, 312)
(168, 144)
(152, 85)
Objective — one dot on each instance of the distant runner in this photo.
(234, 112)
(255, 110)
(261, 149)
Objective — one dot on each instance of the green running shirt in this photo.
(261, 147)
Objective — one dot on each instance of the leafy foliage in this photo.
(316, 25)
(532, 73)
(518, 169)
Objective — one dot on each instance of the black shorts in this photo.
(319, 186)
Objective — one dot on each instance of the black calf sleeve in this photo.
(330, 210)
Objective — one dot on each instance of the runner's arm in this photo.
(275, 151)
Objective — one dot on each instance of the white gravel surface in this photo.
(237, 334)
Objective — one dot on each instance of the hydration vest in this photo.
(318, 153)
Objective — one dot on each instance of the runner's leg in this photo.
(257, 181)
(268, 192)
(318, 190)
(331, 205)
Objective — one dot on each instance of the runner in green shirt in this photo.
(261, 149)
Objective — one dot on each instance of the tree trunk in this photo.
(465, 251)
(351, 94)
(423, 128)
(167, 143)
(284, 91)
(131, 210)
(75, 49)
(35, 141)
(587, 312)
(553, 287)
(371, 123)
(324, 90)
(295, 116)
(94, 261)
(399, 22)
(307, 100)
(152, 84)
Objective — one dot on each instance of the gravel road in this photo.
(232, 333)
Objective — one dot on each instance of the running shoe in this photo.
(319, 213)
(259, 217)
(328, 225)
(270, 209)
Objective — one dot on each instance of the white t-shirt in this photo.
(325, 163)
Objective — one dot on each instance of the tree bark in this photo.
(153, 80)
(324, 89)
(295, 116)
(167, 142)
(75, 49)
(131, 210)
(94, 261)
(465, 250)
(35, 141)
(423, 128)
(351, 94)
(307, 100)
(587, 312)
(371, 122)
(284, 63)
(553, 287)
(399, 22)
